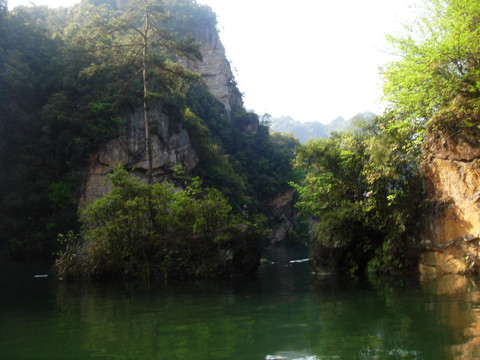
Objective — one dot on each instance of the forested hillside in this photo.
(69, 76)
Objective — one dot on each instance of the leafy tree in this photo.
(438, 70)
(67, 76)
(28, 76)
(151, 230)
(238, 155)
(138, 39)
(365, 191)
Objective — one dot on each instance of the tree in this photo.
(439, 64)
(3, 8)
(137, 39)
(365, 191)
(153, 230)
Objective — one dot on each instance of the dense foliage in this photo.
(436, 78)
(364, 187)
(238, 155)
(141, 230)
(366, 194)
(66, 80)
(68, 75)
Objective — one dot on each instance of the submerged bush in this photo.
(144, 231)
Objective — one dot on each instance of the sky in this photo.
(313, 60)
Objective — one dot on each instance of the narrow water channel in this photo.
(285, 312)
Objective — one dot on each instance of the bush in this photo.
(365, 191)
(144, 231)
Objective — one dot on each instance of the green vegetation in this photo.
(152, 230)
(436, 79)
(67, 78)
(366, 195)
(136, 41)
(363, 186)
(238, 155)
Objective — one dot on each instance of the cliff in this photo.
(214, 68)
(452, 177)
(171, 143)
(171, 146)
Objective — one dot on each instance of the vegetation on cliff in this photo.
(238, 155)
(438, 67)
(61, 98)
(364, 187)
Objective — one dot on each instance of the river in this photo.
(285, 312)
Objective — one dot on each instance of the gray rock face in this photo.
(171, 147)
(171, 144)
(215, 69)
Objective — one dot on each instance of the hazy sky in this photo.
(310, 59)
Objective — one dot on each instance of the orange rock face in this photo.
(452, 177)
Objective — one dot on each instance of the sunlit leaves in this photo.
(438, 61)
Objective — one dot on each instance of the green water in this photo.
(286, 312)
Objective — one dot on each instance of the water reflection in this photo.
(285, 312)
(460, 308)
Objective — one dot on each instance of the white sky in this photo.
(311, 59)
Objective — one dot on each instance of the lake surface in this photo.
(285, 312)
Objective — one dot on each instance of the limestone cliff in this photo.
(215, 69)
(171, 142)
(452, 176)
(171, 147)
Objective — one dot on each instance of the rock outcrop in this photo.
(452, 178)
(215, 69)
(171, 147)
(171, 144)
(283, 216)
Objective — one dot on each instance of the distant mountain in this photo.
(313, 129)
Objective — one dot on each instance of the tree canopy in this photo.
(152, 230)
(438, 68)
(365, 194)
(364, 187)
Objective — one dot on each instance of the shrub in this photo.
(140, 230)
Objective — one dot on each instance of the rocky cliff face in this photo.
(452, 174)
(215, 69)
(171, 142)
(170, 147)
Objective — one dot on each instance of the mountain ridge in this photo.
(305, 131)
